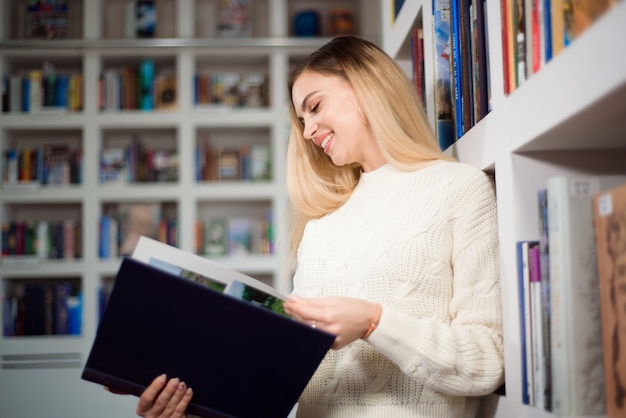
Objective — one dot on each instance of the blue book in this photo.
(146, 78)
(61, 90)
(105, 237)
(26, 94)
(75, 314)
(443, 78)
(455, 38)
(523, 276)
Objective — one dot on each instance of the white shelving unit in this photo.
(568, 118)
(40, 375)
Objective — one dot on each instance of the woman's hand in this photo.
(164, 398)
(347, 318)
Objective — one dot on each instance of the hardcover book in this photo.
(576, 338)
(241, 355)
(610, 226)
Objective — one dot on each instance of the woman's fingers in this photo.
(164, 398)
(177, 404)
(148, 398)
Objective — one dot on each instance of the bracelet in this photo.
(373, 322)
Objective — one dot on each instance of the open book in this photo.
(210, 273)
(223, 333)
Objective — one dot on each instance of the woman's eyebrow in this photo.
(306, 99)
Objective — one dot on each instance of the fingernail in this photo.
(182, 386)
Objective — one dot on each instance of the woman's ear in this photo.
(362, 118)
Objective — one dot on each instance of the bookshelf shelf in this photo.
(565, 119)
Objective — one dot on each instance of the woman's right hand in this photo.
(164, 398)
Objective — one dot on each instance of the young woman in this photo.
(395, 247)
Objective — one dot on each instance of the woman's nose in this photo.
(309, 129)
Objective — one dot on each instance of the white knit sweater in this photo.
(424, 245)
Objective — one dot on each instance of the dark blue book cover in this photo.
(241, 359)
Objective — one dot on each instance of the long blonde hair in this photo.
(390, 105)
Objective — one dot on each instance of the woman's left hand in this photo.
(347, 318)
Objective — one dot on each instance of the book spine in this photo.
(536, 317)
(444, 127)
(455, 41)
(147, 85)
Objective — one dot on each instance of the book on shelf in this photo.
(231, 342)
(215, 236)
(146, 18)
(525, 316)
(536, 314)
(417, 62)
(544, 264)
(461, 69)
(136, 220)
(576, 338)
(444, 126)
(165, 92)
(47, 19)
(228, 164)
(36, 240)
(480, 68)
(234, 18)
(42, 307)
(586, 12)
(609, 209)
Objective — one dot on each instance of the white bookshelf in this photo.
(40, 375)
(566, 119)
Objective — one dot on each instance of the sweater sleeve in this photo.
(462, 355)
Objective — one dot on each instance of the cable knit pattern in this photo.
(424, 245)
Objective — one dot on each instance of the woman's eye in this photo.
(314, 108)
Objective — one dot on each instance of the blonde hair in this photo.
(392, 109)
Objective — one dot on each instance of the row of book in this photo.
(230, 89)
(42, 165)
(245, 163)
(216, 236)
(221, 236)
(40, 240)
(535, 31)
(38, 308)
(121, 227)
(40, 91)
(136, 163)
(461, 67)
(137, 88)
(49, 19)
(130, 88)
(571, 298)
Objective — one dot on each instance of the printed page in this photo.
(203, 270)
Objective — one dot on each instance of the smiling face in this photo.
(329, 111)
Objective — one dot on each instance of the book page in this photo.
(203, 270)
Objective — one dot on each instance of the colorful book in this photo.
(536, 315)
(234, 18)
(544, 248)
(523, 278)
(610, 231)
(576, 338)
(444, 127)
